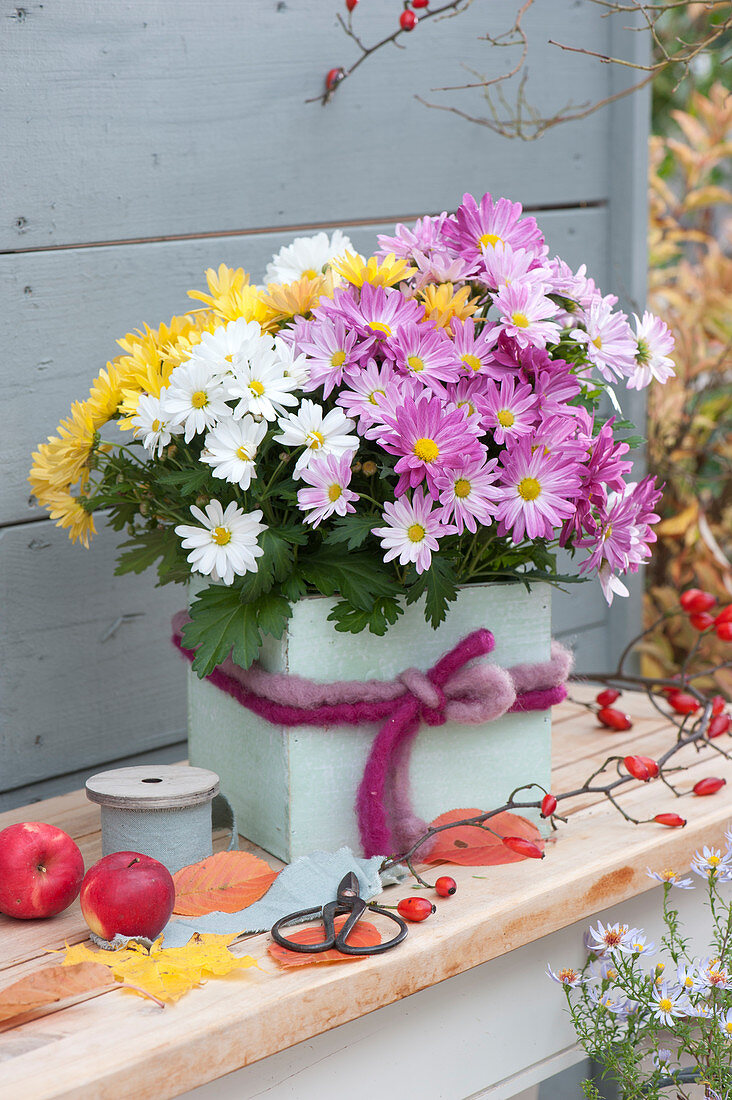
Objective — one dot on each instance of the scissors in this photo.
(348, 900)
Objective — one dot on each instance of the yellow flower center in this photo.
(472, 361)
(221, 536)
(379, 326)
(334, 491)
(243, 453)
(665, 1004)
(714, 860)
(520, 320)
(491, 239)
(199, 399)
(338, 358)
(316, 441)
(426, 450)
(372, 396)
(688, 982)
(415, 363)
(156, 425)
(716, 977)
(311, 273)
(612, 937)
(597, 341)
(229, 358)
(612, 974)
(256, 387)
(462, 488)
(728, 1027)
(506, 418)
(567, 974)
(668, 875)
(529, 488)
(416, 532)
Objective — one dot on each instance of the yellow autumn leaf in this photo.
(678, 525)
(166, 972)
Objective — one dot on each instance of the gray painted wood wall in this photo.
(144, 141)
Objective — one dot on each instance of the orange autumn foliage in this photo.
(473, 846)
(225, 882)
(363, 935)
(53, 984)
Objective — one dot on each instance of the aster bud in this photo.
(369, 468)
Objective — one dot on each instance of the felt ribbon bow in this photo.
(452, 691)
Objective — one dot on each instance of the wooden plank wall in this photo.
(142, 142)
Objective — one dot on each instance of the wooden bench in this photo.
(391, 1023)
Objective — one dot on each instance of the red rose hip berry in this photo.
(614, 719)
(710, 785)
(548, 805)
(673, 821)
(695, 600)
(523, 847)
(415, 909)
(420, 3)
(408, 21)
(333, 78)
(607, 697)
(445, 886)
(701, 620)
(351, 4)
(723, 630)
(683, 703)
(719, 724)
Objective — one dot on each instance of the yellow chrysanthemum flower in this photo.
(297, 299)
(64, 459)
(105, 395)
(232, 297)
(69, 512)
(152, 356)
(442, 302)
(387, 272)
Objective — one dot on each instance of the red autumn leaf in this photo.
(363, 935)
(472, 846)
(226, 882)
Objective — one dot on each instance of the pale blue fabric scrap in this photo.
(308, 882)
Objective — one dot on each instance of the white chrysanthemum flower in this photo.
(227, 345)
(653, 357)
(226, 545)
(195, 398)
(318, 434)
(230, 449)
(293, 366)
(152, 423)
(262, 386)
(306, 256)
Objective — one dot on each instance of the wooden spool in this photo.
(163, 811)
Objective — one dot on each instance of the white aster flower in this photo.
(227, 345)
(725, 1023)
(667, 1004)
(710, 863)
(610, 937)
(605, 1000)
(225, 545)
(261, 385)
(152, 423)
(714, 974)
(672, 877)
(662, 1058)
(306, 256)
(639, 945)
(230, 449)
(319, 434)
(567, 976)
(653, 357)
(604, 970)
(689, 979)
(195, 398)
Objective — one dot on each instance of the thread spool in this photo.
(163, 811)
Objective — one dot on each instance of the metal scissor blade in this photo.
(348, 889)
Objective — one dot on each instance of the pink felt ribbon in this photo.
(454, 690)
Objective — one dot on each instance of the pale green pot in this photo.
(293, 789)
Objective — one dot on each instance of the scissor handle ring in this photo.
(297, 918)
(378, 948)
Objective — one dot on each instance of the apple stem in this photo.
(133, 862)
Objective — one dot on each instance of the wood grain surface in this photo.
(119, 1046)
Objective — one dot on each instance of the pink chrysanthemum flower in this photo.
(328, 479)
(608, 340)
(474, 350)
(537, 492)
(439, 267)
(576, 287)
(653, 356)
(368, 390)
(331, 351)
(467, 394)
(412, 531)
(425, 236)
(555, 387)
(621, 542)
(476, 225)
(502, 265)
(427, 354)
(428, 438)
(524, 313)
(509, 411)
(377, 316)
(468, 493)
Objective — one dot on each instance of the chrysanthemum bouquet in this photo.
(664, 1024)
(379, 430)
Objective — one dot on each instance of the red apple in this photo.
(40, 870)
(128, 894)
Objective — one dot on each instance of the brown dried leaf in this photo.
(51, 984)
